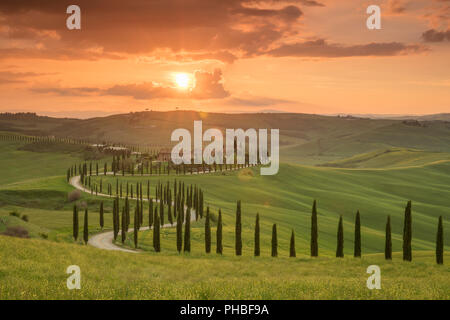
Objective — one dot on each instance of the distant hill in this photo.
(430, 117)
(304, 138)
(390, 158)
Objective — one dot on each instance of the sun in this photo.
(182, 80)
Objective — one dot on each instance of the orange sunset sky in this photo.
(308, 56)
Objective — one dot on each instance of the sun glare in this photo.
(182, 80)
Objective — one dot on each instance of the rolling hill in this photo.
(304, 138)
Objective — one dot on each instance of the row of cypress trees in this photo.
(185, 217)
(407, 237)
(124, 165)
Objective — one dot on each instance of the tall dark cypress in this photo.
(157, 236)
(150, 213)
(155, 221)
(292, 252)
(187, 231)
(274, 241)
(138, 211)
(340, 239)
(314, 232)
(75, 222)
(127, 209)
(136, 227)
(388, 243)
(124, 225)
(357, 249)
(169, 213)
(257, 237)
(440, 243)
(407, 233)
(219, 246)
(161, 212)
(102, 219)
(238, 230)
(114, 220)
(179, 233)
(86, 228)
(207, 232)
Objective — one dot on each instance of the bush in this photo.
(14, 214)
(43, 235)
(74, 195)
(25, 218)
(17, 231)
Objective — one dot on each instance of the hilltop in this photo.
(304, 138)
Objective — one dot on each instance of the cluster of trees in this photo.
(106, 147)
(124, 164)
(40, 139)
(170, 200)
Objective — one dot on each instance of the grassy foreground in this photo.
(35, 269)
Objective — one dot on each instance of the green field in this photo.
(35, 269)
(361, 169)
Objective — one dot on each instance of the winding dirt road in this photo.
(104, 240)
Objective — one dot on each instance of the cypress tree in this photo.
(340, 239)
(169, 213)
(179, 233)
(115, 220)
(127, 209)
(257, 237)
(407, 233)
(101, 215)
(155, 220)
(136, 227)
(219, 246)
(124, 225)
(150, 213)
(274, 241)
(357, 249)
(314, 232)
(207, 232)
(141, 213)
(161, 212)
(138, 210)
(238, 230)
(440, 243)
(75, 222)
(157, 235)
(388, 244)
(292, 252)
(86, 228)
(187, 231)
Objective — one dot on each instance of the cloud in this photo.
(397, 6)
(77, 91)
(309, 3)
(251, 101)
(436, 36)
(208, 85)
(321, 48)
(8, 77)
(110, 29)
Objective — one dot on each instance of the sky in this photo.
(304, 56)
